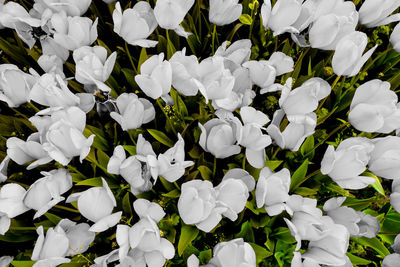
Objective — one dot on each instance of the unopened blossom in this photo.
(133, 111)
(375, 13)
(96, 204)
(374, 108)
(3, 168)
(155, 77)
(70, 7)
(262, 73)
(31, 150)
(223, 12)
(15, 85)
(215, 80)
(11, 204)
(78, 234)
(272, 190)
(135, 24)
(46, 192)
(357, 223)
(93, 67)
(219, 136)
(141, 243)
(281, 16)
(293, 136)
(395, 195)
(185, 69)
(349, 56)
(52, 248)
(73, 32)
(384, 161)
(252, 137)
(348, 162)
(170, 13)
(395, 38)
(334, 20)
(233, 253)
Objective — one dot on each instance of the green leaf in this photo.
(161, 137)
(53, 218)
(205, 172)
(205, 256)
(377, 184)
(131, 149)
(246, 19)
(129, 75)
(142, 58)
(188, 234)
(373, 243)
(357, 260)
(308, 146)
(246, 233)
(97, 182)
(126, 205)
(261, 252)
(22, 263)
(299, 175)
(273, 164)
(172, 194)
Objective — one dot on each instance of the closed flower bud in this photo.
(96, 204)
(93, 66)
(155, 77)
(133, 111)
(374, 108)
(11, 204)
(224, 12)
(348, 162)
(170, 13)
(70, 7)
(349, 58)
(272, 190)
(135, 24)
(375, 13)
(15, 85)
(223, 254)
(46, 192)
(384, 161)
(219, 137)
(50, 250)
(73, 32)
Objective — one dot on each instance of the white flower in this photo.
(11, 204)
(93, 66)
(384, 161)
(15, 85)
(22, 152)
(252, 137)
(236, 53)
(281, 62)
(133, 111)
(272, 190)
(135, 24)
(391, 260)
(233, 253)
(374, 108)
(71, 7)
(224, 12)
(348, 58)
(395, 38)
(5, 260)
(295, 132)
(78, 235)
(334, 19)
(155, 77)
(170, 13)
(282, 16)
(46, 192)
(395, 195)
(357, 223)
(262, 73)
(73, 32)
(12, 14)
(96, 204)
(51, 64)
(349, 160)
(375, 13)
(219, 137)
(52, 249)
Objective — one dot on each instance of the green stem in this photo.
(27, 228)
(214, 33)
(66, 208)
(130, 57)
(33, 106)
(215, 166)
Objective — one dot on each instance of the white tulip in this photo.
(281, 62)
(346, 164)
(262, 73)
(272, 190)
(155, 77)
(46, 192)
(375, 13)
(223, 12)
(236, 53)
(15, 85)
(395, 195)
(93, 66)
(395, 38)
(71, 7)
(384, 161)
(133, 111)
(374, 108)
(135, 24)
(73, 32)
(96, 204)
(348, 58)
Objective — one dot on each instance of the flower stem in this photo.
(332, 87)
(130, 57)
(66, 208)
(214, 33)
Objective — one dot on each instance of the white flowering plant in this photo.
(212, 133)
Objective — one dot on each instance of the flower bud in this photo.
(70, 7)
(384, 161)
(374, 13)
(170, 13)
(223, 12)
